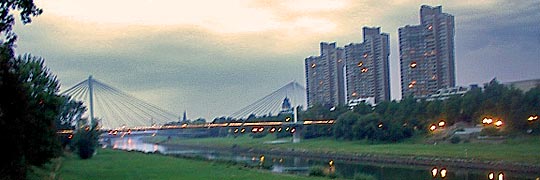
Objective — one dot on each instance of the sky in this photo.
(211, 57)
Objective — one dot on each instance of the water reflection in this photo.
(301, 165)
(131, 143)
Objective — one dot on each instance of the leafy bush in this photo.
(316, 171)
(455, 140)
(86, 140)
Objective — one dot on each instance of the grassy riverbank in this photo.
(522, 149)
(115, 164)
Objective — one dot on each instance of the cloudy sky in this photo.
(213, 57)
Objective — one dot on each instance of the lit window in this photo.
(360, 64)
(365, 55)
(339, 60)
(313, 65)
(354, 94)
(413, 64)
(364, 70)
(430, 27)
(411, 85)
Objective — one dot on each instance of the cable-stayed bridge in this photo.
(116, 108)
(285, 98)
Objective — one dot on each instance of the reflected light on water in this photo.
(434, 171)
(443, 172)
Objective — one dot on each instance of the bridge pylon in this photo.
(296, 135)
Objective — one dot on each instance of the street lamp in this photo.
(499, 123)
(432, 127)
(487, 121)
(442, 123)
(532, 118)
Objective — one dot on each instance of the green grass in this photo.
(522, 149)
(113, 164)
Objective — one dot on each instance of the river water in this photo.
(301, 165)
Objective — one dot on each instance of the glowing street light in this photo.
(532, 118)
(442, 123)
(432, 127)
(487, 120)
(501, 176)
(331, 163)
(499, 123)
(380, 125)
(273, 129)
(287, 119)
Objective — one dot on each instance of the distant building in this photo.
(524, 85)
(286, 107)
(367, 69)
(446, 93)
(324, 77)
(356, 102)
(184, 117)
(427, 53)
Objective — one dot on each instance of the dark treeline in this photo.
(31, 109)
(394, 121)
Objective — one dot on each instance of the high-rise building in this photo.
(367, 69)
(427, 53)
(324, 77)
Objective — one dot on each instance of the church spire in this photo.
(184, 117)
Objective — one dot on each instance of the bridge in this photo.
(118, 111)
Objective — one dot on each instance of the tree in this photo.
(86, 140)
(13, 108)
(32, 90)
(44, 107)
(26, 9)
(343, 126)
(470, 104)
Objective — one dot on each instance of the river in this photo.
(301, 165)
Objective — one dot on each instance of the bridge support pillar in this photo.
(296, 138)
(297, 134)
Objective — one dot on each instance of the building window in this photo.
(360, 64)
(313, 65)
(413, 64)
(364, 70)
